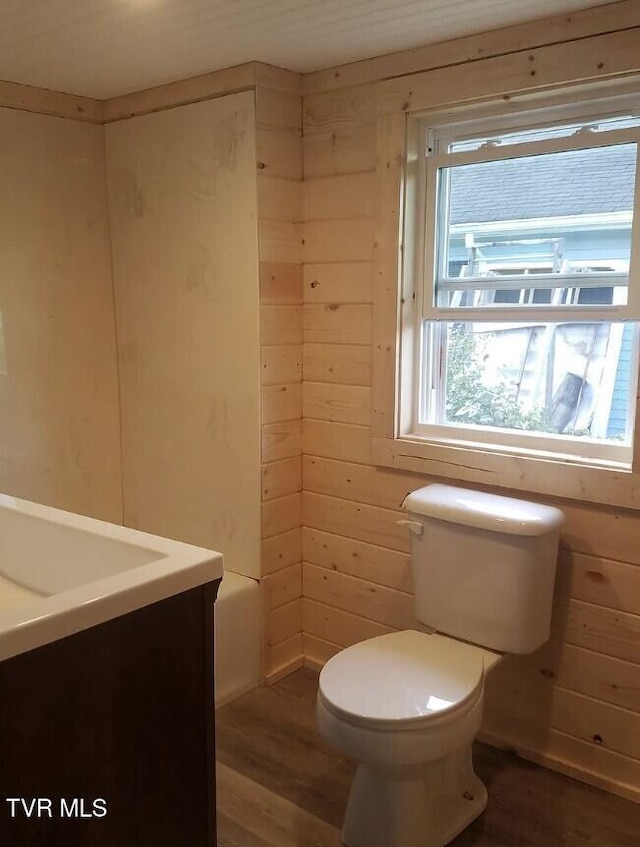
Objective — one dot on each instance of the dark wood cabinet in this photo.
(112, 729)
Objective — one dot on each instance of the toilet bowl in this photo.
(406, 706)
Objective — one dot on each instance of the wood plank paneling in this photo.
(350, 507)
(282, 659)
(278, 109)
(41, 101)
(279, 183)
(281, 402)
(378, 565)
(341, 197)
(345, 152)
(279, 153)
(282, 587)
(598, 580)
(281, 364)
(282, 478)
(343, 628)
(338, 282)
(281, 514)
(335, 323)
(358, 596)
(515, 689)
(608, 631)
(281, 324)
(280, 283)
(345, 364)
(355, 520)
(279, 199)
(348, 240)
(280, 241)
(472, 48)
(317, 651)
(282, 440)
(193, 90)
(566, 754)
(364, 483)
(284, 622)
(341, 403)
(613, 533)
(280, 551)
(279, 79)
(336, 440)
(346, 109)
(584, 671)
(526, 71)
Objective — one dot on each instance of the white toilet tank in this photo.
(484, 566)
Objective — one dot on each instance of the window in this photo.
(524, 274)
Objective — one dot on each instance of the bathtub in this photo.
(237, 637)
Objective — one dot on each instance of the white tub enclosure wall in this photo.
(183, 211)
(59, 423)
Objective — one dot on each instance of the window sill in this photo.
(553, 477)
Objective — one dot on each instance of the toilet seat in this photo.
(402, 681)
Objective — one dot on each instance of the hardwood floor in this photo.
(279, 785)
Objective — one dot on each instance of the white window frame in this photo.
(428, 167)
(428, 261)
(397, 306)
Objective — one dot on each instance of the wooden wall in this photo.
(575, 704)
(279, 168)
(183, 207)
(59, 422)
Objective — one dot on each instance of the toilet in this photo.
(407, 706)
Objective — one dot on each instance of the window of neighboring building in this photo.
(526, 278)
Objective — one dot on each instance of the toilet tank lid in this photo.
(491, 512)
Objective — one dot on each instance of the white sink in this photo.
(61, 573)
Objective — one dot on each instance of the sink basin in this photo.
(61, 573)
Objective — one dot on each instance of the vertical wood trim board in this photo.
(279, 176)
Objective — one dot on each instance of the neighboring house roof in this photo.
(575, 182)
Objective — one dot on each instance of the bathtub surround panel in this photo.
(238, 657)
(575, 704)
(59, 417)
(183, 209)
(279, 169)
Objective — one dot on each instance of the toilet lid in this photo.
(402, 677)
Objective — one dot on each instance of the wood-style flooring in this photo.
(279, 785)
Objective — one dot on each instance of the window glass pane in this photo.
(523, 136)
(568, 212)
(564, 379)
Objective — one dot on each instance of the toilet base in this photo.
(420, 806)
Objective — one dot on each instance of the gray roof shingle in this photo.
(574, 182)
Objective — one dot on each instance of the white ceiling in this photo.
(103, 48)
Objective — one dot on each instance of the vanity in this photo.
(106, 684)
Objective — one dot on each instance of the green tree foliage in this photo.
(469, 400)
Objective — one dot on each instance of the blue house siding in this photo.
(618, 413)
